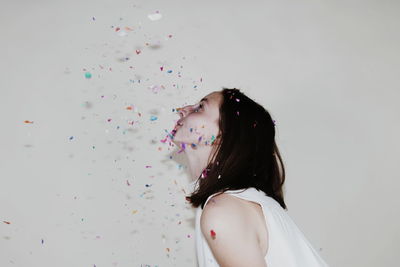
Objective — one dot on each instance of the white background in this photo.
(73, 183)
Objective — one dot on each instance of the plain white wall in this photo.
(76, 178)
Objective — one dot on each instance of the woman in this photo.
(241, 217)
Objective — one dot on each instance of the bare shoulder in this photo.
(226, 207)
(228, 225)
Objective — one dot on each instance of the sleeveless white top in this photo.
(288, 247)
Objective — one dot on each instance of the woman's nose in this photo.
(183, 111)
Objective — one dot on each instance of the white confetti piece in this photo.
(122, 33)
(155, 16)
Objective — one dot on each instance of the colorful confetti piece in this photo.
(182, 148)
(213, 234)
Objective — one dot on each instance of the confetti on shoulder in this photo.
(213, 234)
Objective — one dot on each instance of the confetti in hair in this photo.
(212, 139)
(204, 173)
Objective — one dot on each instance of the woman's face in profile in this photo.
(198, 123)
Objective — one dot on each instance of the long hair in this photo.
(246, 156)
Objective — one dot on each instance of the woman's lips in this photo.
(175, 129)
(178, 124)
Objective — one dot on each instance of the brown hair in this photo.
(246, 156)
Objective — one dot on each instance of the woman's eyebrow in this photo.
(204, 99)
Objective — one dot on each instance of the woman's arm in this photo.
(232, 240)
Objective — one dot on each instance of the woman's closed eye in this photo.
(198, 108)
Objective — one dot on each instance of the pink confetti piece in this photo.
(204, 174)
(213, 234)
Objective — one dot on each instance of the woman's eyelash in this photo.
(200, 106)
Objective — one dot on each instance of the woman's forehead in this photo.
(213, 98)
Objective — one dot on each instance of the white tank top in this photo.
(288, 247)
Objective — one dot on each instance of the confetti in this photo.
(156, 88)
(213, 234)
(183, 148)
(122, 33)
(212, 139)
(204, 173)
(155, 16)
